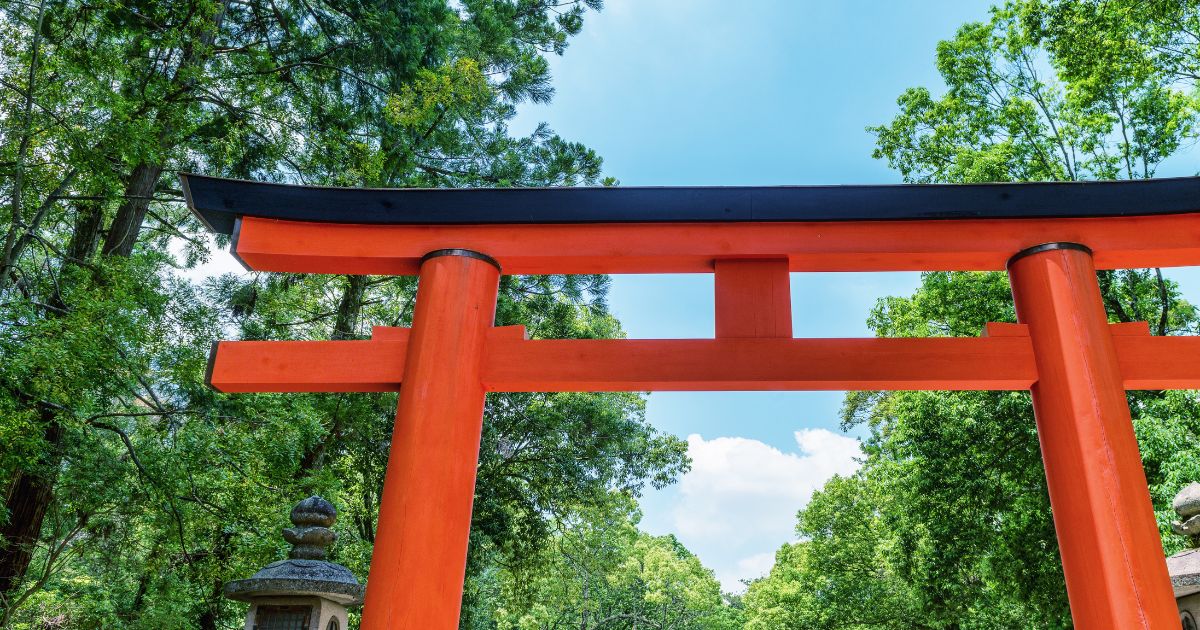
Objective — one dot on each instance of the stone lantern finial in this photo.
(312, 518)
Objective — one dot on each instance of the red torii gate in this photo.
(1051, 238)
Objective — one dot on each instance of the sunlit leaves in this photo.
(948, 524)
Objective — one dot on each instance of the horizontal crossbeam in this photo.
(1002, 360)
(921, 245)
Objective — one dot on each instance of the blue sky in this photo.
(713, 92)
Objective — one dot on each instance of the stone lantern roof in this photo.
(306, 571)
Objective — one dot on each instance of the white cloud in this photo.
(738, 504)
(748, 568)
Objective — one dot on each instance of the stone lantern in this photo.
(1184, 566)
(304, 592)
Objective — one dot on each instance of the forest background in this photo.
(133, 492)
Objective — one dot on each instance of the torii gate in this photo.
(1051, 237)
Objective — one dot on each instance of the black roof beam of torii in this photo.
(218, 202)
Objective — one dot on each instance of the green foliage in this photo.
(599, 571)
(840, 574)
(1022, 105)
(947, 524)
(133, 492)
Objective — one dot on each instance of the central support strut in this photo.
(1111, 551)
(420, 556)
(753, 298)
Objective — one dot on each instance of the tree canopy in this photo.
(132, 491)
(947, 524)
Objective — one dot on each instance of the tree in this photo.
(599, 572)
(132, 491)
(947, 524)
(840, 574)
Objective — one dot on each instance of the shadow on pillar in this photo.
(304, 592)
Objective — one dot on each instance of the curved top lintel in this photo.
(218, 202)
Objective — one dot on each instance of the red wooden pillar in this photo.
(1111, 552)
(420, 555)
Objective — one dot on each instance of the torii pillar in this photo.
(429, 488)
(1111, 552)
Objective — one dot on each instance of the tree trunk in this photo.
(86, 235)
(210, 618)
(348, 312)
(82, 246)
(123, 233)
(28, 496)
(350, 307)
(31, 490)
